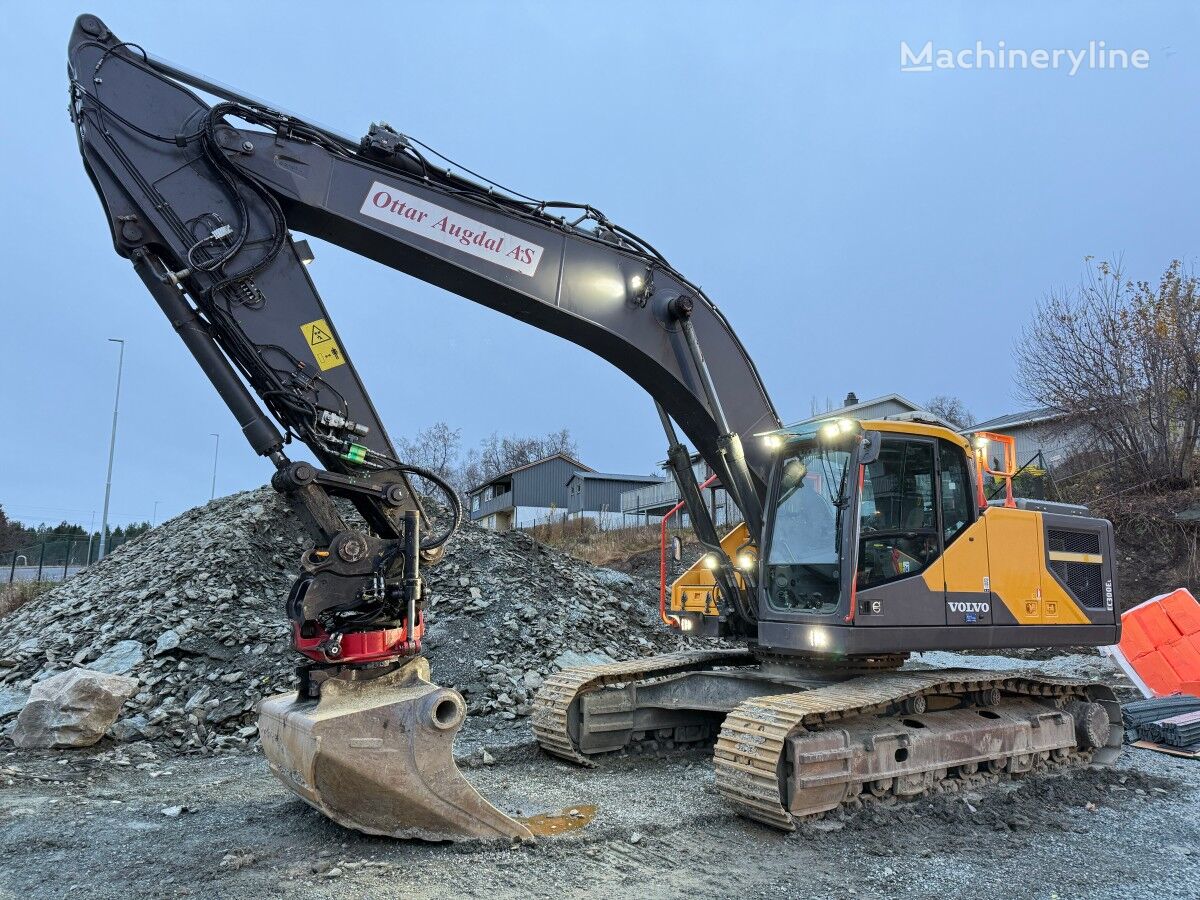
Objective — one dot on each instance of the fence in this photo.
(1032, 481)
(724, 512)
(52, 560)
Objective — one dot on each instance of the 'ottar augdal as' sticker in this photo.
(323, 345)
(402, 210)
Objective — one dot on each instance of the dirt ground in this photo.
(92, 824)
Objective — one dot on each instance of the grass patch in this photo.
(15, 595)
(584, 539)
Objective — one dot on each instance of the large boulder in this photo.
(73, 709)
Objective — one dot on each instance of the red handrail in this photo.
(670, 621)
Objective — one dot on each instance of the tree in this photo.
(952, 409)
(1122, 360)
(436, 448)
(12, 534)
(499, 454)
(439, 449)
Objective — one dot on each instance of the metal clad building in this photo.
(1045, 430)
(524, 495)
(598, 494)
(889, 406)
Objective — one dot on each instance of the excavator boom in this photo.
(202, 199)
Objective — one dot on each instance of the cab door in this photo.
(899, 544)
(965, 563)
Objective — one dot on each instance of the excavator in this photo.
(860, 543)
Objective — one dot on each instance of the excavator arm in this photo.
(203, 198)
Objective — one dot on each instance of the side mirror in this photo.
(871, 442)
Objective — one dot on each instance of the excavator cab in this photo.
(879, 539)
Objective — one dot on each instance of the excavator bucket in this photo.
(377, 756)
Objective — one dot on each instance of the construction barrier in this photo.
(1160, 645)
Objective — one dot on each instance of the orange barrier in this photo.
(1160, 645)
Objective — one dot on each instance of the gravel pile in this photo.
(194, 610)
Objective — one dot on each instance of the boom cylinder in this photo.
(729, 444)
(262, 434)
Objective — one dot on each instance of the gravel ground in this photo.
(92, 824)
(177, 801)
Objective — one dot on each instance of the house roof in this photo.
(1016, 420)
(611, 476)
(529, 465)
(915, 411)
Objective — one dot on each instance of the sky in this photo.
(864, 229)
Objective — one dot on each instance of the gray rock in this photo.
(167, 641)
(118, 659)
(533, 680)
(130, 729)
(570, 658)
(612, 578)
(11, 701)
(73, 709)
(197, 698)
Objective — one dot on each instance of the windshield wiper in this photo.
(840, 504)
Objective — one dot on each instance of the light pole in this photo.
(112, 447)
(91, 530)
(216, 450)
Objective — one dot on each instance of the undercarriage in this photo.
(800, 738)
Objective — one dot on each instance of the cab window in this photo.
(955, 482)
(898, 516)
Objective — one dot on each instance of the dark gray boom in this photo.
(202, 198)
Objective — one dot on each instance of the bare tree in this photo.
(1122, 359)
(439, 449)
(952, 409)
(436, 448)
(498, 454)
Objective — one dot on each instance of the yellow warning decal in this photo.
(321, 342)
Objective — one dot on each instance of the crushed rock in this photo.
(1087, 666)
(194, 610)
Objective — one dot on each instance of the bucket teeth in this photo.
(377, 756)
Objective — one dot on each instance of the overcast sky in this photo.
(863, 228)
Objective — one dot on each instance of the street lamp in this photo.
(91, 531)
(216, 450)
(112, 447)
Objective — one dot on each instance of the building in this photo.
(1043, 430)
(597, 495)
(654, 499)
(524, 495)
(889, 406)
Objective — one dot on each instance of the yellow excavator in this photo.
(860, 542)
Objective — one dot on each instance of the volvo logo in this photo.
(959, 607)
